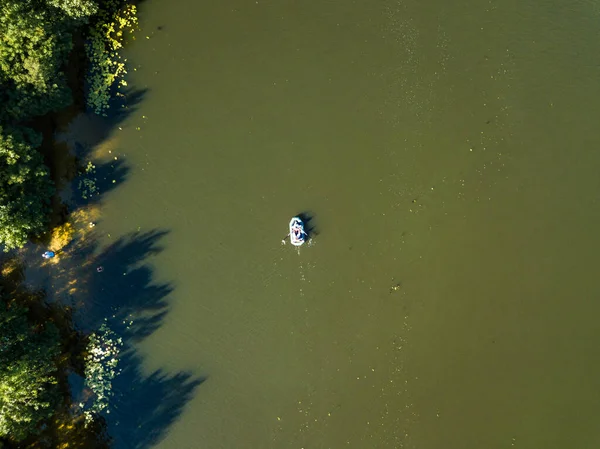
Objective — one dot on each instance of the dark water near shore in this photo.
(449, 147)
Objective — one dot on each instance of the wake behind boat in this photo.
(297, 233)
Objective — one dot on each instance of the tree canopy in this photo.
(35, 41)
(36, 37)
(25, 187)
(76, 9)
(28, 392)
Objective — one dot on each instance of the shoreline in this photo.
(69, 224)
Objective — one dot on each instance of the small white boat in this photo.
(297, 233)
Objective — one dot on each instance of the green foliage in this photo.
(35, 40)
(77, 9)
(104, 42)
(25, 188)
(87, 184)
(28, 391)
(100, 368)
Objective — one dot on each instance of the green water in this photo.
(449, 147)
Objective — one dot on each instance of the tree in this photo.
(28, 390)
(77, 9)
(25, 187)
(35, 41)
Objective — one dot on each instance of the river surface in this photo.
(447, 154)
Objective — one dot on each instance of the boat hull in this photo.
(297, 233)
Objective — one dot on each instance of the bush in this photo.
(25, 187)
(79, 10)
(28, 391)
(35, 41)
(100, 369)
(106, 38)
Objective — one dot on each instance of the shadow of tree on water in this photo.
(107, 175)
(120, 286)
(78, 124)
(89, 137)
(144, 407)
(116, 284)
(125, 105)
(73, 136)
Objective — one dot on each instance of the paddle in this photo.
(301, 232)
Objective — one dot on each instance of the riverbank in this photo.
(74, 209)
(65, 428)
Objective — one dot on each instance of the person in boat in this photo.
(299, 233)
